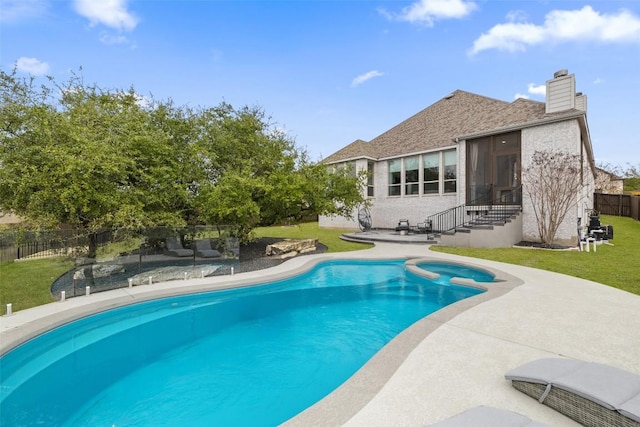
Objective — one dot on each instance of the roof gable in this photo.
(457, 114)
(357, 149)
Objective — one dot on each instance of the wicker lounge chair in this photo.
(204, 249)
(487, 416)
(174, 247)
(593, 394)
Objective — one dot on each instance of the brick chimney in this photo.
(561, 93)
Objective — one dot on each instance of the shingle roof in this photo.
(458, 114)
(357, 149)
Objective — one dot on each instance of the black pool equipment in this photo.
(597, 230)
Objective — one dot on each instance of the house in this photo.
(9, 219)
(464, 156)
(608, 183)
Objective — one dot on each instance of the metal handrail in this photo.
(478, 212)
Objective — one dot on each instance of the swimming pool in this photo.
(250, 356)
(447, 270)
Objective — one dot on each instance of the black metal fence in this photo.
(115, 258)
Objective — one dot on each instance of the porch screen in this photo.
(431, 163)
(411, 173)
(450, 171)
(395, 177)
(370, 178)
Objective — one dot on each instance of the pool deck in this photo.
(446, 363)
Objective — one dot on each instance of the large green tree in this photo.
(257, 175)
(78, 155)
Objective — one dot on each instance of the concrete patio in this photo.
(446, 363)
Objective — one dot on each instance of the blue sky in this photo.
(330, 72)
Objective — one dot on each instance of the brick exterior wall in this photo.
(562, 136)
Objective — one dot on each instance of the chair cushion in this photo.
(631, 408)
(605, 385)
(487, 416)
(543, 371)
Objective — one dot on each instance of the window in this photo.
(395, 177)
(350, 167)
(431, 173)
(370, 178)
(450, 166)
(411, 175)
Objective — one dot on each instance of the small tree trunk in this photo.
(93, 244)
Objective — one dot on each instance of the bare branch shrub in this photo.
(552, 182)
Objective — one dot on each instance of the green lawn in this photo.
(310, 230)
(27, 284)
(616, 265)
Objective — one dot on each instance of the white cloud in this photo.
(426, 12)
(537, 90)
(364, 77)
(532, 89)
(32, 66)
(598, 81)
(17, 10)
(111, 13)
(107, 38)
(516, 16)
(584, 24)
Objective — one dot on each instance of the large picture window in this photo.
(431, 173)
(395, 177)
(428, 174)
(412, 176)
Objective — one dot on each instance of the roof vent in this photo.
(449, 96)
(560, 73)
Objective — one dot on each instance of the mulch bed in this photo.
(538, 245)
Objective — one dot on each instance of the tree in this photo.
(629, 173)
(552, 182)
(88, 158)
(257, 175)
(631, 177)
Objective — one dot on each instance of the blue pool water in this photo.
(448, 270)
(253, 356)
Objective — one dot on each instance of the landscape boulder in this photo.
(291, 247)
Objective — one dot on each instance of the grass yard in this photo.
(616, 265)
(310, 230)
(27, 284)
